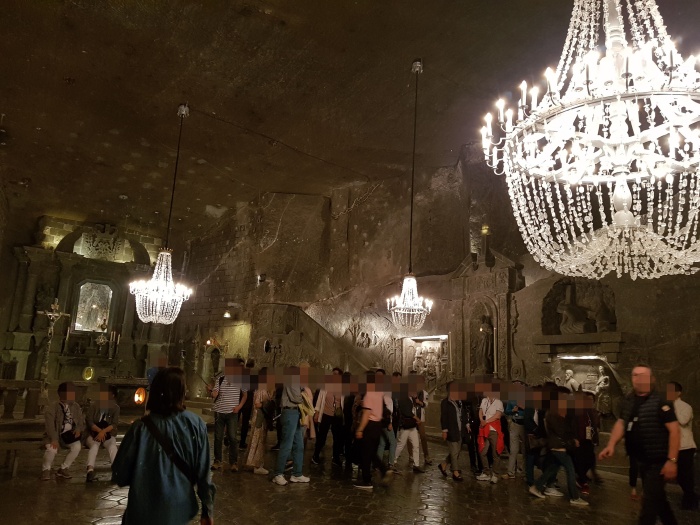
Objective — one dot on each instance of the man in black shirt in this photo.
(652, 436)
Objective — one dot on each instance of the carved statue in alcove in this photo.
(483, 351)
(602, 392)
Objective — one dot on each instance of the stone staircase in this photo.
(295, 336)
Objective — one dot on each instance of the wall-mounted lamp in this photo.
(227, 315)
(261, 278)
(140, 396)
(208, 342)
(580, 357)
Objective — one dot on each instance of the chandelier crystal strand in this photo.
(409, 310)
(159, 300)
(601, 170)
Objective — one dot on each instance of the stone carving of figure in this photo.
(484, 348)
(419, 360)
(602, 392)
(570, 382)
(573, 318)
(431, 367)
(604, 318)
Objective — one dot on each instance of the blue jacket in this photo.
(159, 493)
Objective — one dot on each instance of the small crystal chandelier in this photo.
(410, 310)
(159, 300)
(602, 171)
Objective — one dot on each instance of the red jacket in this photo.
(484, 434)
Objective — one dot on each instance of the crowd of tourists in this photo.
(372, 419)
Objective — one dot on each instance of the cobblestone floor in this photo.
(244, 498)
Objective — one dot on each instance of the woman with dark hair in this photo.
(163, 456)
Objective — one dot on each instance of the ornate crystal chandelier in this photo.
(409, 310)
(602, 171)
(159, 300)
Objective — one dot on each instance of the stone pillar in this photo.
(20, 286)
(27, 314)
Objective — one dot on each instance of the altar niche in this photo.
(93, 307)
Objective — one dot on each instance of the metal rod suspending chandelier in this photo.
(159, 300)
(602, 170)
(409, 310)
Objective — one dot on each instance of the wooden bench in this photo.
(14, 442)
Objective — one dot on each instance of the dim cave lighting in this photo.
(409, 310)
(602, 170)
(160, 299)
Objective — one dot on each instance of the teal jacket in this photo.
(159, 493)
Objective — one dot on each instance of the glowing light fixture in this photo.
(602, 170)
(409, 310)
(160, 299)
(140, 396)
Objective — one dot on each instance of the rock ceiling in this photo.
(301, 96)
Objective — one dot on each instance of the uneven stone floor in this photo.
(247, 499)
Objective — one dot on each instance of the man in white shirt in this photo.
(490, 412)
(684, 415)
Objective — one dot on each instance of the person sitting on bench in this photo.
(64, 423)
(102, 421)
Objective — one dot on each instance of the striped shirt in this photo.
(229, 396)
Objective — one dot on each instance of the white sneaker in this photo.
(260, 470)
(535, 492)
(494, 478)
(551, 491)
(579, 502)
(484, 477)
(279, 480)
(299, 479)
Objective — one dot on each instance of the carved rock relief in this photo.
(590, 307)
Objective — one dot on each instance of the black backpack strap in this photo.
(169, 450)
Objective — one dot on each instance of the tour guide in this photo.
(652, 436)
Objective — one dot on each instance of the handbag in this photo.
(167, 445)
(102, 424)
(68, 437)
(337, 409)
(535, 441)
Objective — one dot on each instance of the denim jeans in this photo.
(292, 441)
(560, 459)
(230, 423)
(387, 436)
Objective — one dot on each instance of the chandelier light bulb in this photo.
(501, 104)
(602, 172)
(533, 94)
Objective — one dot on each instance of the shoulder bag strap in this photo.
(169, 450)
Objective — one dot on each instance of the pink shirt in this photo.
(374, 402)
